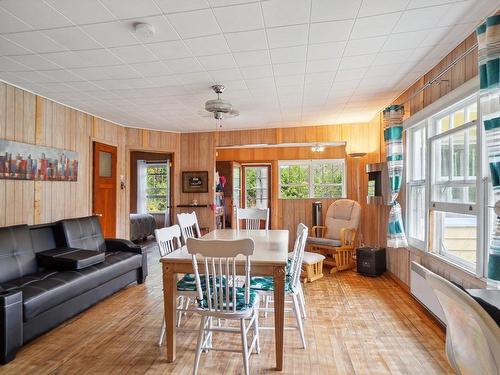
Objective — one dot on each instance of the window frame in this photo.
(310, 163)
(167, 195)
(477, 209)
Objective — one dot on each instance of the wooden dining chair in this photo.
(169, 240)
(252, 218)
(264, 285)
(189, 225)
(224, 300)
(337, 238)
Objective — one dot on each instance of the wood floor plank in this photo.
(355, 325)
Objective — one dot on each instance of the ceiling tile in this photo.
(330, 31)
(172, 6)
(239, 17)
(404, 40)
(131, 8)
(35, 41)
(207, 45)
(226, 75)
(95, 73)
(247, 40)
(252, 58)
(8, 47)
(353, 62)
(325, 50)
(134, 54)
(187, 65)
(327, 10)
(364, 46)
(81, 12)
(289, 69)
(374, 7)
(287, 36)
(216, 62)
(286, 12)
(36, 62)
(121, 72)
(325, 65)
(163, 29)
(169, 50)
(350, 75)
(11, 24)
(419, 19)
(72, 38)
(62, 75)
(111, 34)
(260, 71)
(195, 23)
(288, 54)
(374, 26)
(151, 69)
(36, 13)
(9, 65)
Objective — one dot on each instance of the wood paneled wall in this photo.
(398, 260)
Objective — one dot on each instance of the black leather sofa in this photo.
(49, 273)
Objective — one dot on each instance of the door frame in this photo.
(118, 176)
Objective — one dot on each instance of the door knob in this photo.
(100, 215)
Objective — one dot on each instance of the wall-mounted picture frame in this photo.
(195, 182)
(25, 161)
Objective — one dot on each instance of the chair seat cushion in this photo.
(266, 283)
(44, 290)
(240, 299)
(323, 241)
(309, 257)
(188, 282)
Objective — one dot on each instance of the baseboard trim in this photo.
(400, 282)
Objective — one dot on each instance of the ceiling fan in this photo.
(220, 108)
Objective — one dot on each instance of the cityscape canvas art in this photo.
(24, 161)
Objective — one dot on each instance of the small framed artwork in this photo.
(195, 182)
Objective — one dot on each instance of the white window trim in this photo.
(310, 163)
(461, 97)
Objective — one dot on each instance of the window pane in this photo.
(327, 191)
(416, 207)
(105, 164)
(459, 118)
(472, 112)
(441, 160)
(418, 155)
(156, 188)
(454, 235)
(328, 173)
(472, 157)
(443, 124)
(294, 192)
(256, 186)
(458, 140)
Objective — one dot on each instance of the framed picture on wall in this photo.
(195, 182)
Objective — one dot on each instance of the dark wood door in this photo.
(104, 189)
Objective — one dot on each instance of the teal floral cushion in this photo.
(240, 299)
(266, 283)
(188, 282)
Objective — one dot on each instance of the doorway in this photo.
(105, 187)
(256, 186)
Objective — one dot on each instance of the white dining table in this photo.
(269, 259)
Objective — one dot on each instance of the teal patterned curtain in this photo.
(393, 137)
(488, 37)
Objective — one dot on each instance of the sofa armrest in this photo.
(11, 324)
(118, 244)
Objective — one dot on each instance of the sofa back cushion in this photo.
(42, 237)
(83, 233)
(17, 258)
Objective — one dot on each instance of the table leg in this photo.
(169, 298)
(279, 313)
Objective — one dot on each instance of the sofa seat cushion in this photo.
(67, 259)
(323, 241)
(45, 290)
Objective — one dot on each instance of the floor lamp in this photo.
(357, 156)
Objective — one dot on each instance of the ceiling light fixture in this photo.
(318, 148)
(220, 108)
(144, 30)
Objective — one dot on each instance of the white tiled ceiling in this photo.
(284, 62)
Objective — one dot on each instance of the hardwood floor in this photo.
(356, 325)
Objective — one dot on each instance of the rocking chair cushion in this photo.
(323, 241)
(309, 258)
(240, 299)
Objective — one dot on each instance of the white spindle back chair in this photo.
(189, 225)
(169, 240)
(252, 217)
(218, 297)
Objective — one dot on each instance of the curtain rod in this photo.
(156, 161)
(443, 72)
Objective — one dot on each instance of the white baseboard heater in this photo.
(422, 291)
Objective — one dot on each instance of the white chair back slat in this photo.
(219, 260)
(189, 225)
(298, 248)
(252, 217)
(168, 239)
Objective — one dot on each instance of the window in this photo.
(156, 188)
(301, 179)
(444, 210)
(256, 186)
